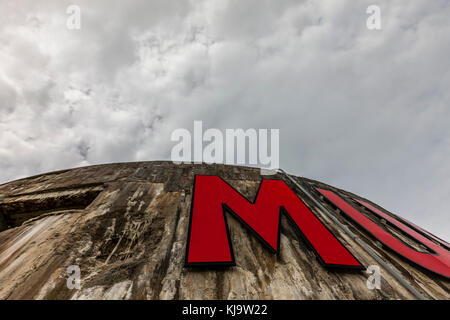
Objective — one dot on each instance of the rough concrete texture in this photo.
(125, 226)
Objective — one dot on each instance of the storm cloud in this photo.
(364, 110)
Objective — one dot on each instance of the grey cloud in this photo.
(363, 110)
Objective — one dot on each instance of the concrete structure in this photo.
(126, 227)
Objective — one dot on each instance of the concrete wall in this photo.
(130, 243)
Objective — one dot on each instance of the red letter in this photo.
(438, 262)
(415, 227)
(208, 237)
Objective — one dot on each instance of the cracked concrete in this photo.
(130, 241)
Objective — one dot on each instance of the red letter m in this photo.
(209, 241)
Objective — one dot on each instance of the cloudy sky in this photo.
(364, 110)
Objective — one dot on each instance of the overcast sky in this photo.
(364, 110)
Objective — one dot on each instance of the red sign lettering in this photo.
(438, 261)
(209, 241)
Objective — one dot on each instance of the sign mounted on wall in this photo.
(437, 261)
(209, 241)
(208, 238)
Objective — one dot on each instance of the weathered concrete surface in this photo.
(126, 226)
